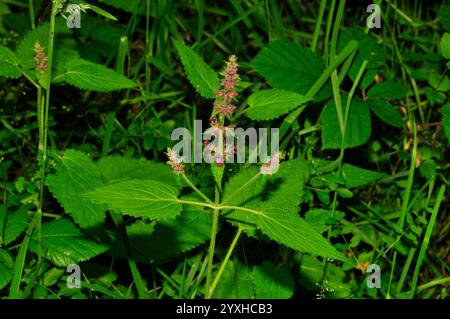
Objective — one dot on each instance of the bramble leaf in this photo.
(289, 66)
(386, 112)
(9, 64)
(355, 176)
(358, 126)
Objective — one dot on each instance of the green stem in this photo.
(31, 9)
(426, 240)
(199, 192)
(212, 244)
(225, 262)
(14, 290)
(318, 25)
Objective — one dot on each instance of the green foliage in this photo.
(204, 79)
(387, 90)
(271, 204)
(12, 224)
(355, 176)
(289, 66)
(9, 64)
(92, 76)
(271, 104)
(358, 126)
(169, 238)
(236, 282)
(386, 112)
(64, 244)
(140, 198)
(272, 282)
(446, 119)
(6, 267)
(76, 174)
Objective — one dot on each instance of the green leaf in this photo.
(9, 64)
(272, 282)
(311, 272)
(128, 6)
(140, 198)
(96, 9)
(386, 112)
(218, 173)
(117, 168)
(318, 218)
(355, 176)
(271, 204)
(271, 104)
(202, 77)
(368, 50)
(167, 239)
(77, 174)
(444, 16)
(292, 231)
(388, 90)
(445, 45)
(64, 244)
(358, 126)
(6, 268)
(12, 224)
(445, 110)
(91, 76)
(289, 66)
(236, 282)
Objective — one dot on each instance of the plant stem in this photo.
(212, 244)
(426, 239)
(318, 25)
(199, 192)
(31, 9)
(225, 262)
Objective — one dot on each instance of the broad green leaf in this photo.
(358, 126)
(333, 285)
(6, 268)
(445, 45)
(9, 64)
(355, 176)
(236, 282)
(318, 218)
(387, 90)
(386, 112)
(140, 198)
(117, 168)
(271, 204)
(445, 110)
(289, 66)
(218, 173)
(167, 239)
(202, 77)
(91, 76)
(294, 232)
(12, 224)
(77, 174)
(272, 282)
(369, 50)
(64, 244)
(271, 104)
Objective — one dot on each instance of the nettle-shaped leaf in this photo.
(202, 77)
